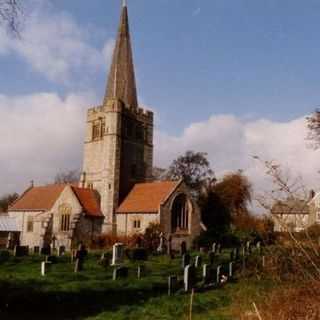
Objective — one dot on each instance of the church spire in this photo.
(121, 82)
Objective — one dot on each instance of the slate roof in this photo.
(147, 197)
(44, 197)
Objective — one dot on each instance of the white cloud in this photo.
(41, 134)
(55, 45)
(231, 142)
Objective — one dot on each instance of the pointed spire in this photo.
(121, 82)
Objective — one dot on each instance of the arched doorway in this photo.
(180, 212)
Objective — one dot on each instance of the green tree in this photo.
(193, 168)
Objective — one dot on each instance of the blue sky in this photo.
(231, 78)
(248, 58)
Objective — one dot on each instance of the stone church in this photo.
(116, 193)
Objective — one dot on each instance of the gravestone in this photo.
(185, 260)
(161, 247)
(219, 248)
(232, 255)
(189, 278)
(218, 274)
(46, 251)
(169, 248)
(44, 265)
(117, 253)
(198, 261)
(230, 270)
(211, 256)
(120, 272)
(141, 271)
(237, 253)
(183, 248)
(172, 284)
(61, 251)
(104, 261)
(263, 261)
(21, 251)
(36, 250)
(214, 247)
(80, 256)
(206, 273)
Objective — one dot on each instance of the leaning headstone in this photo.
(198, 261)
(117, 253)
(189, 278)
(211, 256)
(185, 260)
(172, 284)
(218, 274)
(183, 248)
(206, 274)
(120, 272)
(141, 271)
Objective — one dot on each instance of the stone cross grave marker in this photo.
(198, 261)
(117, 253)
(172, 284)
(185, 260)
(189, 278)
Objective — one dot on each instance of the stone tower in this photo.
(118, 146)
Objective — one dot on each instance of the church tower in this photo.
(118, 146)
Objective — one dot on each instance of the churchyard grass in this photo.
(92, 294)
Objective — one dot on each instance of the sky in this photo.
(233, 79)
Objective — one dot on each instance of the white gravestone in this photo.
(117, 253)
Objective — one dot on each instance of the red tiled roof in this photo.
(147, 197)
(43, 198)
(38, 198)
(89, 201)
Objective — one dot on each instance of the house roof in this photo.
(43, 198)
(147, 197)
(291, 206)
(88, 200)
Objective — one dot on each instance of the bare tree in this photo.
(70, 176)
(10, 12)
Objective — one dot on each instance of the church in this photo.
(116, 194)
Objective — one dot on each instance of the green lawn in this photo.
(92, 294)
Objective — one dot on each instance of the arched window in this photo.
(180, 214)
(65, 214)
